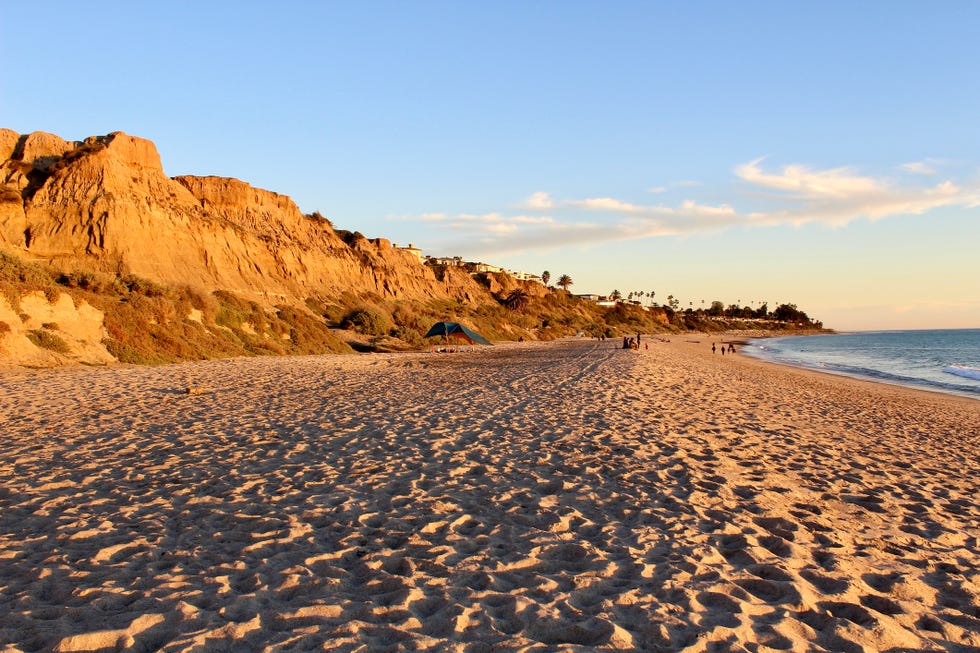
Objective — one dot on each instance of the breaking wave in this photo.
(964, 371)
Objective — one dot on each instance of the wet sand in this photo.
(568, 496)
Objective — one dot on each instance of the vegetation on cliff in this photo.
(148, 322)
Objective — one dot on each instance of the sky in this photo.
(825, 154)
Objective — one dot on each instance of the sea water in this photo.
(940, 360)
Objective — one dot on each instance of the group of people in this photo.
(730, 347)
(633, 343)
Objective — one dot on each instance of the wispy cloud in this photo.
(839, 196)
(685, 183)
(919, 168)
(804, 183)
(791, 195)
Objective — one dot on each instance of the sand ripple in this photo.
(559, 497)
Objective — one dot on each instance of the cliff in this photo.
(105, 205)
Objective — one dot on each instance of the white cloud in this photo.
(604, 204)
(539, 201)
(685, 183)
(806, 183)
(919, 168)
(838, 196)
(793, 195)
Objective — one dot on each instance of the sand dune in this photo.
(570, 496)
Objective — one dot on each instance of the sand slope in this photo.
(562, 497)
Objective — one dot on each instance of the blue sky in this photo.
(826, 154)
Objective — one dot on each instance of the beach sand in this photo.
(567, 496)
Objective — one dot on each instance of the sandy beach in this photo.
(539, 497)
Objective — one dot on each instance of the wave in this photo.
(963, 370)
(897, 378)
(912, 359)
(971, 373)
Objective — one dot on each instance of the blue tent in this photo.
(456, 330)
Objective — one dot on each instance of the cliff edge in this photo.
(105, 205)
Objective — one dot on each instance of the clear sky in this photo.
(822, 153)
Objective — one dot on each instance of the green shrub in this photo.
(410, 335)
(18, 278)
(368, 320)
(404, 315)
(139, 285)
(135, 336)
(86, 281)
(233, 312)
(47, 340)
(307, 334)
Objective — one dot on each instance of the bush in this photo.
(233, 311)
(47, 340)
(85, 281)
(404, 315)
(307, 334)
(135, 336)
(4, 328)
(142, 286)
(18, 278)
(367, 320)
(409, 335)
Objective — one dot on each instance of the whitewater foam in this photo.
(963, 370)
(919, 359)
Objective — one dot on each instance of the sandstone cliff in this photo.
(105, 205)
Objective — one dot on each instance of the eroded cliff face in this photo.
(78, 328)
(105, 204)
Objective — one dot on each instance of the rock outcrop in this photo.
(42, 332)
(105, 204)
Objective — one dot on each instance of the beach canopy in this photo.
(456, 330)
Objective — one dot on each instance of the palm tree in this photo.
(565, 281)
(517, 299)
(545, 277)
(615, 295)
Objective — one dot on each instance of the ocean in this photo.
(945, 360)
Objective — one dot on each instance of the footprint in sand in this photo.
(775, 593)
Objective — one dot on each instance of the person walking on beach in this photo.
(712, 348)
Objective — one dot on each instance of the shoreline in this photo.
(561, 494)
(911, 384)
